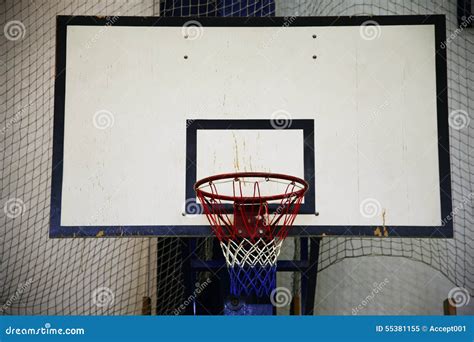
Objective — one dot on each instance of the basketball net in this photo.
(251, 227)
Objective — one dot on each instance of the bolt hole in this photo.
(185, 57)
(314, 56)
(314, 36)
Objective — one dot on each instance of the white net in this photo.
(247, 253)
(252, 265)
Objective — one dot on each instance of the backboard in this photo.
(356, 106)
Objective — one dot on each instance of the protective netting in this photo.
(452, 257)
(39, 275)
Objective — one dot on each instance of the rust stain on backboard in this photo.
(236, 154)
(377, 232)
(385, 230)
(381, 231)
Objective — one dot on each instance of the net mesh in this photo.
(252, 265)
(111, 276)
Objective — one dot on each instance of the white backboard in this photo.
(149, 109)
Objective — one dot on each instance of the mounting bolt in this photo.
(316, 214)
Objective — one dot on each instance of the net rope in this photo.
(252, 265)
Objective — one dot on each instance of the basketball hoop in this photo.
(250, 213)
